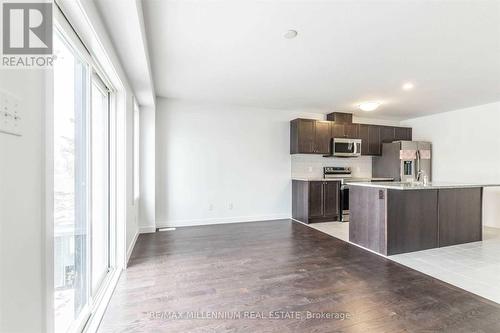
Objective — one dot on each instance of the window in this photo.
(83, 237)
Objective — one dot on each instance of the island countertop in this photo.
(345, 180)
(417, 186)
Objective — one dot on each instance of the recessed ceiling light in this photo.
(408, 86)
(369, 106)
(290, 34)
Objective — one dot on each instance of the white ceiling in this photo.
(347, 52)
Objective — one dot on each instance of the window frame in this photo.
(95, 78)
(136, 154)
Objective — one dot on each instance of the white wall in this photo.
(147, 170)
(211, 156)
(22, 240)
(311, 166)
(218, 155)
(466, 148)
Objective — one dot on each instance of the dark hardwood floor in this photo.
(282, 266)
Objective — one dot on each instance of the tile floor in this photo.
(474, 267)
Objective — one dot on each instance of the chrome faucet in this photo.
(421, 177)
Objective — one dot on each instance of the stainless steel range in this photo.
(344, 174)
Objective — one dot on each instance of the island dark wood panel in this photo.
(391, 221)
(282, 266)
(369, 214)
(460, 215)
(412, 221)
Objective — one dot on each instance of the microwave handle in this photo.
(355, 148)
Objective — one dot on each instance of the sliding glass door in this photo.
(82, 228)
(70, 194)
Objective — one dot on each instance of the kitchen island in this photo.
(392, 218)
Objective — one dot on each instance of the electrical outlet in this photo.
(10, 114)
(211, 207)
(310, 169)
(231, 206)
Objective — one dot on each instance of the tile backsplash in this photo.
(311, 166)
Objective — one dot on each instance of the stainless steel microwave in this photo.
(346, 147)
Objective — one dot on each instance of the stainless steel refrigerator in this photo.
(404, 161)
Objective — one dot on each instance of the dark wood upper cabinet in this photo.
(338, 130)
(302, 135)
(322, 136)
(345, 131)
(374, 142)
(309, 136)
(351, 131)
(364, 135)
(402, 133)
(340, 117)
(373, 136)
(387, 134)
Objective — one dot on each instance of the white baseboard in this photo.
(222, 220)
(131, 247)
(146, 229)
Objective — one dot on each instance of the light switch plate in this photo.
(10, 114)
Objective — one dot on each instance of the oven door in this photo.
(346, 147)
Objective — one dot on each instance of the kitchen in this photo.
(376, 192)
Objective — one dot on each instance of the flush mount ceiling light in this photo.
(369, 106)
(290, 34)
(408, 86)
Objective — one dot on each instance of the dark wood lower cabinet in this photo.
(331, 193)
(315, 201)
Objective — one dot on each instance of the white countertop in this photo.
(416, 186)
(346, 180)
(316, 179)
